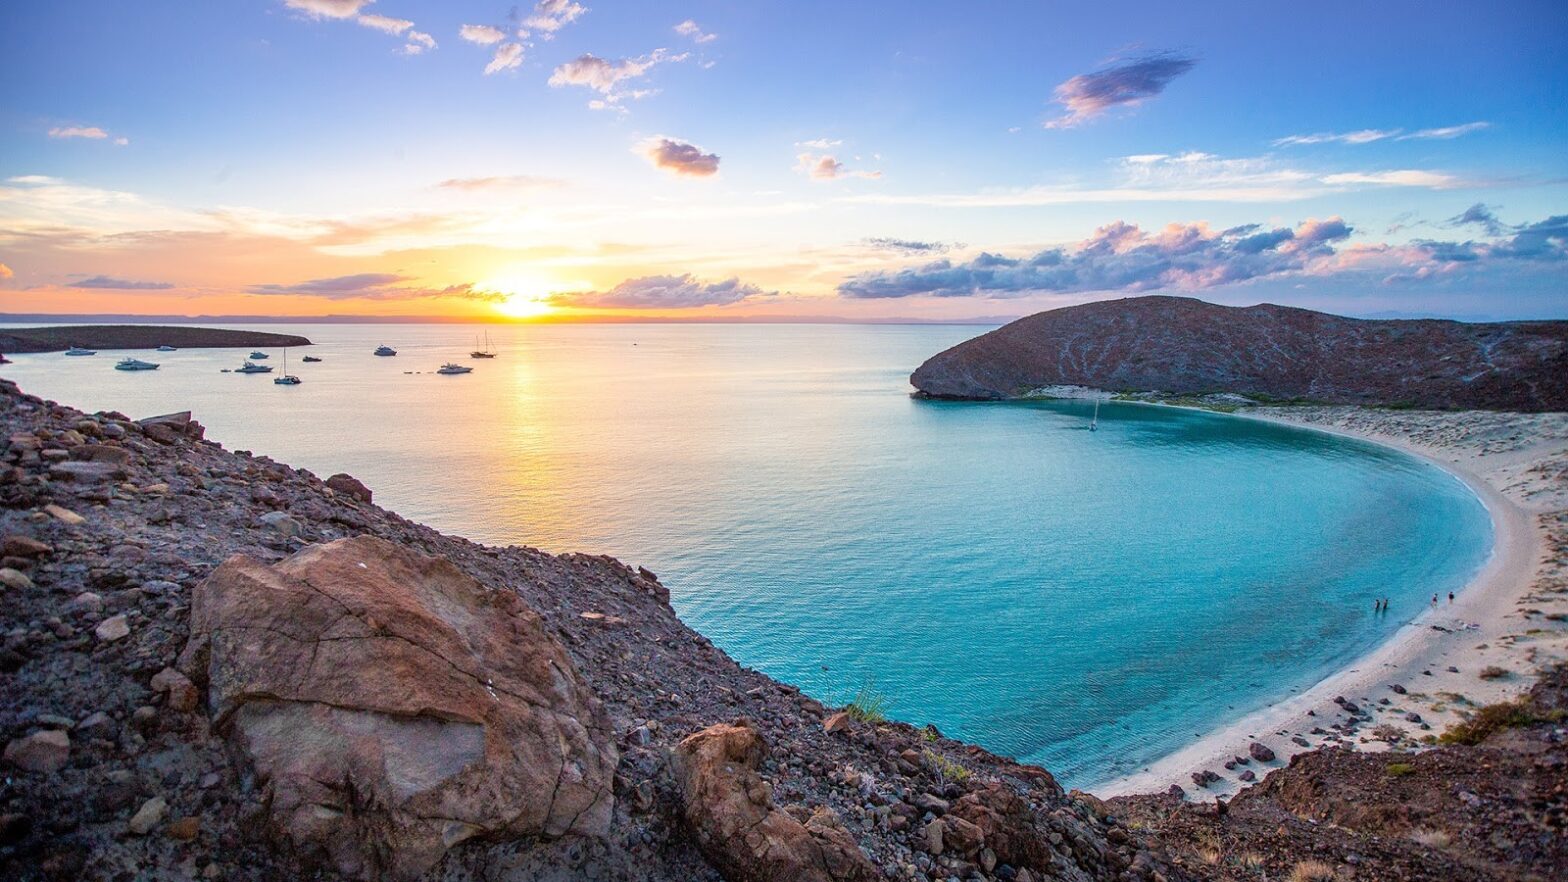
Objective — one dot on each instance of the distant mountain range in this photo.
(1183, 346)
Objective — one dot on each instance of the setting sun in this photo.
(527, 294)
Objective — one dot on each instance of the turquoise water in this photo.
(1088, 601)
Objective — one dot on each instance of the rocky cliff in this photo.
(1181, 346)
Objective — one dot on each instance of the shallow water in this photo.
(1087, 601)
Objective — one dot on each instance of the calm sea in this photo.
(1085, 600)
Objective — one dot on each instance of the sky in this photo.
(581, 159)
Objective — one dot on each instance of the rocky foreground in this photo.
(1182, 346)
(218, 667)
(59, 339)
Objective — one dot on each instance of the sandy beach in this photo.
(1513, 616)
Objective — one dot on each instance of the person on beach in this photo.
(1434, 600)
(1450, 598)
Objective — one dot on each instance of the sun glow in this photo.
(527, 296)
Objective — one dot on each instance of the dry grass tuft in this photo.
(1312, 871)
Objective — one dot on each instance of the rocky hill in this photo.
(1182, 346)
(218, 667)
(63, 337)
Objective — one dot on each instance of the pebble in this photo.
(15, 579)
(112, 629)
(45, 751)
(148, 816)
(64, 515)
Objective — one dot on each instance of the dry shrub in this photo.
(1312, 871)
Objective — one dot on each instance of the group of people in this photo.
(1381, 604)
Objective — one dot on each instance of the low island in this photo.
(61, 338)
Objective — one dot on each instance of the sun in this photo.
(527, 295)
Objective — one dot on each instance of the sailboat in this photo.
(1094, 422)
(485, 352)
(287, 379)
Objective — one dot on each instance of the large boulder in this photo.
(731, 813)
(350, 486)
(393, 707)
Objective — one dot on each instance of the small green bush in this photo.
(867, 705)
(1399, 770)
(1489, 719)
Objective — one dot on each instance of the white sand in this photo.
(1518, 465)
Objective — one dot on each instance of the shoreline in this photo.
(1479, 627)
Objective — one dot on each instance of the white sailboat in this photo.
(287, 379)
(1094, 422)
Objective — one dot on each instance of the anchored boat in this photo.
(250, 367)
(134, 364)
(77, 350)
(385, 350)
(451, 368)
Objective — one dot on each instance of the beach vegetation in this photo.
(1431, 838)
(1399, 770)
(867, 705)
(1312, 871)
(1491, 719)
(930, 733)
(1388, 732)
(946, 770)
(1493, 672)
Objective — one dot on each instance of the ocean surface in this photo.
(1085, 600)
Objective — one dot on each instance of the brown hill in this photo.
(63, 337)
(1184, 346)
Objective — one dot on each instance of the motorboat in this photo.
(311, 359)
(77, 350)
(385, 350)
(250, 367)
(167, 348)
(451, 368)
(134, 364)
(258, 355)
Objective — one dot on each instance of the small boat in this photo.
(450, 368)
(485, 352)
(385, 350)
(258, 355)
(311, 359)
(1094, 423)
(250, 367)
(167, 348)
(77, 350)
(134, 364)
(287, 379)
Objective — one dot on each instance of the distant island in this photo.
(61, 338)
(1182, 346)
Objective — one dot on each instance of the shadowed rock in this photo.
(394, 707)
(1183, 346)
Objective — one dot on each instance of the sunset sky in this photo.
(767, 159)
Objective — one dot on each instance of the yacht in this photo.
(311, 359)
(450, 368)
(287, 379)
(258, 355)
(134, 364)
(77, 350)
(485, 352)
(250, 367)
(385, 350)
(167, 348)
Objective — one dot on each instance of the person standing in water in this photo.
(1450, 598)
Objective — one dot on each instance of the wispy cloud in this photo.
(1368, 136)
(821, 143)
(508, 56)
(375, 286)
(385, 24)
(5, 272)
(906, 246)
(691, 29)
(678, 157)
(605, 76)
(1126, 83)
(484, 35)
(120, 284)
(664, 292)
(91, 133)
(501, 182)
(1480, 215)
(328, 8)
(550, 16)
(826, 167)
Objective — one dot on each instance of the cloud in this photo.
(484, 35)
(120, 284)
(1368, 136)
(507, 57)
(820, 143)
(1481, 216)
(604, 76)
(1398, 178)
(91, 133)
(374, 286)
(500, 182)
(418, 43)
(826, 168)
(1118, 257)
(664, 292)
(689, 28)
(328, 8)
(550, 16)
(385, 24)
(678, 157)
(905, 246)
(5, 272)
(1129, 83)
